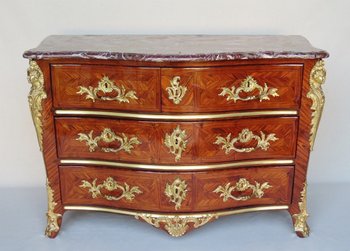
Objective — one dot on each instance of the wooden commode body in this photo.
(176, 130)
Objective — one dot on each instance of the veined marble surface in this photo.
(174, 48)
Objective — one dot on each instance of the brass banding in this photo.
(245, 163)
(172, 117)
(218, 213)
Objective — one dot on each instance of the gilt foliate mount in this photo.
(176, 192)
(242, 185)
(177, 225)
(249, 85)
(317, 79)
(108, 136)
(35, 98)
(110, 92)
(96, 190)
(176, 142)
(300, 224)
(53, 226)
(176, 92)
(245, 136)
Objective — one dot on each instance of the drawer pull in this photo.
(249, 85)
(257, 190)
(176, 142)
(110, 185)
(108, 136)
(107, 86)
(176, 192)
(175, 91)
(245, 136)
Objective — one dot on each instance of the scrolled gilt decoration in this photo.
(107, 86)
(176, 225)
(110, 184)
(245, 136)
(317, 78)
(175, 91)
(242, 185)
(36, 95)
(249, 85)
(176, 142)
(108, 136)
(176, 192)
(300, 224)
(52, 217)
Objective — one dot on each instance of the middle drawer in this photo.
(155, 142)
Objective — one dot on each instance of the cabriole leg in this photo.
(54, 219)
(299, 215)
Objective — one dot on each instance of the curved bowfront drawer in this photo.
(231, 88)
(176, 192)
(176, 142)
(105, 87)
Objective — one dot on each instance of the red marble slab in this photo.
(169, 48)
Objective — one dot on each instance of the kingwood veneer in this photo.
(176, 130)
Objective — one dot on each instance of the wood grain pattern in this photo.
(280, 179)
(283, 128)
(303, 145)
(200, 186)
(68, 78)
(200, 136)
(205, 84)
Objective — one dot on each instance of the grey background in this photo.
(24, 23)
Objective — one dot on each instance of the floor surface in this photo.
(22, 223)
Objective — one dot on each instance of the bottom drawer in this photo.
(176, 191)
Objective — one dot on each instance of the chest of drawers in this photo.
(176, 130)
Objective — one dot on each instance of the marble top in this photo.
(168, 48)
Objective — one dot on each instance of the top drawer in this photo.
(231, 88)
(106, 87)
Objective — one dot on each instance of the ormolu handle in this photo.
(108, 136)
(107, 86)
(110, 185)
(245, 136)
(175, 91)
(242, 185)
(249, 85)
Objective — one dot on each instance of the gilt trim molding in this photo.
(172, 117)
(236, 164)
